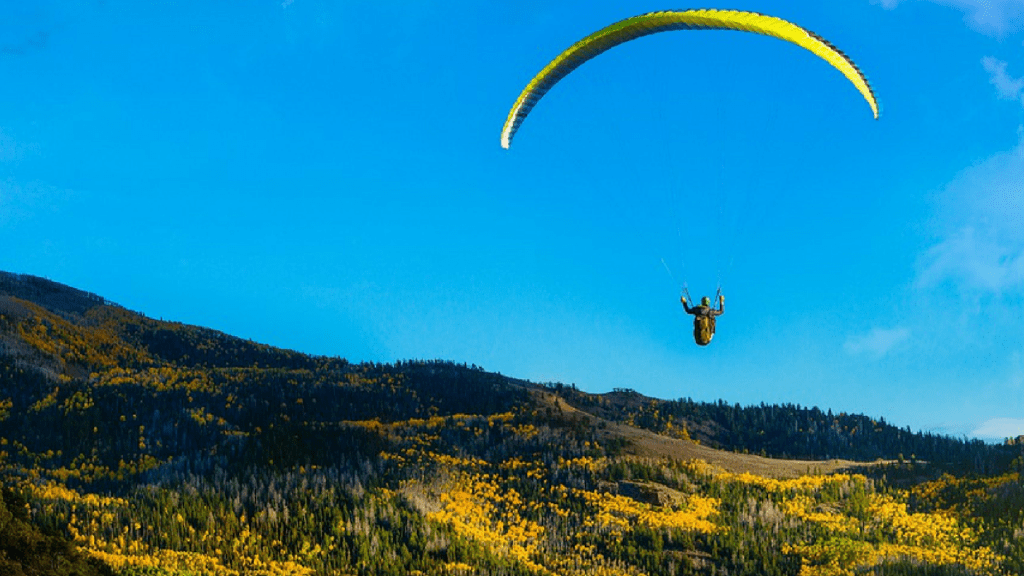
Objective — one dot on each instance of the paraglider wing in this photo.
(654, 22)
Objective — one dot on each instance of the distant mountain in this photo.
(160, 447)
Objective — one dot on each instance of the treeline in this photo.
(112, 388)
(258, 415)
(49, 294)
(793, 431)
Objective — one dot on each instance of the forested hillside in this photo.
(27, 550)
(161, 448)
(791, 431)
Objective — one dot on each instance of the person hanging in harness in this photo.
(704, 318)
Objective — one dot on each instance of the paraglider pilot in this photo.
(704, 318)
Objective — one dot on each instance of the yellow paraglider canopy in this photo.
(654, 22)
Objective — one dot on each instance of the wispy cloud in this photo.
(994, 17)
(981, 227)
(977, 261)
(1008, 87)
(999, 428)
(981, 212)
(878, 342)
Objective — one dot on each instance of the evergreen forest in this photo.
(134, 446)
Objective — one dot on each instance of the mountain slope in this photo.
(160, 446)
(647, 444)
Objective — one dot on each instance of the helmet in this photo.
(705, 301)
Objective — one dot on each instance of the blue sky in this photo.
(327, 177)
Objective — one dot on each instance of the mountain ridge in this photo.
(164, 448)
(145, 343)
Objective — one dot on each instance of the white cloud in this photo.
(999, 428)
(878, 342)
(1008, 87)
(976, 261)
(981, 228)
(995, 17)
